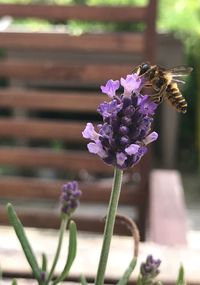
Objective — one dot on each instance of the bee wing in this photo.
(180, 71)
(178, 80)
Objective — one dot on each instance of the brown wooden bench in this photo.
(51, 89)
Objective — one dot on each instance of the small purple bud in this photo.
(123, 130)
(124, 141)
(127, 121)
(129, 111)
(121, 157)
(43, 276)
(149, 269)
(69, 197)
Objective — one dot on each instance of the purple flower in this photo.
(122, 138)
(146, 105)
(149, 269)
(131, 83)
(106, 109)
(110, 88)
(150, 138)
(69, 197)
(132, 149)
(90, 133)
(97, 148)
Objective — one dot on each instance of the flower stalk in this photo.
(109, 226)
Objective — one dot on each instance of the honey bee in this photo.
(163, 83)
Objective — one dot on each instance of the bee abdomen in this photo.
(176, 98)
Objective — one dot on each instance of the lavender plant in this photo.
(120, 141)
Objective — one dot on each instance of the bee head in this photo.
(144, 67)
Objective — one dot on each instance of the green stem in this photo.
(61, 234)
(109, 226)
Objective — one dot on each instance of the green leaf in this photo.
(126, 276)
(83, 280)
(72, 248)
(19, 230)
(181, 276)
(63, 225)
(14, 282)
(44, 262)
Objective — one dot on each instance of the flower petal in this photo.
(110, 88)
(131, 83)
(121, 157)
(97, 148)
(93, 147)
(150, 138)
(147, 106)
(132, 149)
(89, 132)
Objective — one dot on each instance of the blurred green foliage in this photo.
(183, 18)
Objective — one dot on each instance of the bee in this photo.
(163, 83)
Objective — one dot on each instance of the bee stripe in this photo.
(178, 96)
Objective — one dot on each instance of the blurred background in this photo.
(34, 139)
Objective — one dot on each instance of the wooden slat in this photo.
(51, 70)
(41, 218)
(119, 42)
(51, 100)
(64, 160)
(42, 129)
(32, 188)
(150, 44)
(79, 12)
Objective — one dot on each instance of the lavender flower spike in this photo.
(69, 198)
(122, 138)
(149, 269)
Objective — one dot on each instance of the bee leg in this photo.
(160, 95)
(156, 98)
(150, 70)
